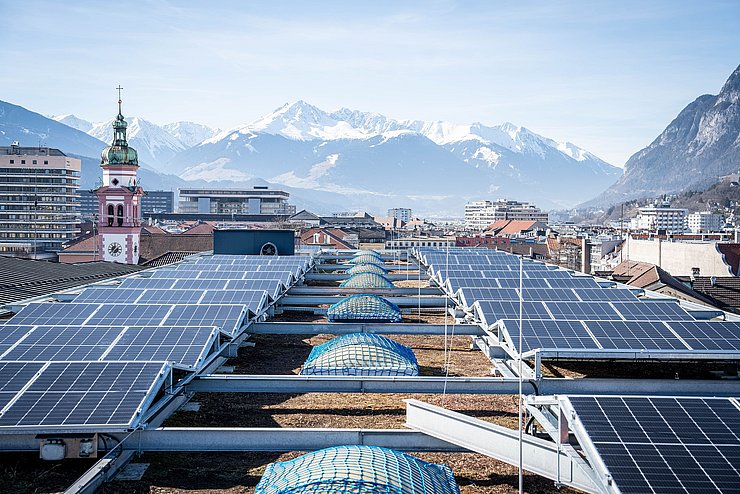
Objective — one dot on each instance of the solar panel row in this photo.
(254, 300)
(560, 336)
(98, 362)
(491, 311)
(185, 345)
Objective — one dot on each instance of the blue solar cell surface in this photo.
(663, 444)
(709, 335)
(83, 394)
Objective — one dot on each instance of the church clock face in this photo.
(115, 249)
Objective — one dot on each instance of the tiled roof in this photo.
(724, 289)
(168, 258)
(154, 246)
(201, 228)
(27, 278)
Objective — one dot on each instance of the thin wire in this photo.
(418, 283)
(447, 350)
(521, 317)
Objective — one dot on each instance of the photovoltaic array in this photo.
(572, 316)
(99, 361)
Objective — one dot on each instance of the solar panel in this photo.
(706, 335)
(226, 317)
(46, 313)
(676, 445)
(272, 287)
(605, 294)
(102, 295)
(147, 283)
(573, 282)
(200, 284)
(103, 395)
(527, 283)
(638, 335)
(55, 343)
(127, 315)
(174, 274)
(550, 294)
(254, 300)
(13, 377)
(171, 296)
(550, 335)
(493, 311)
(470, 294)
(10, 334)
(652, 310)
(186, 345)
(457, 283)
(581, 311)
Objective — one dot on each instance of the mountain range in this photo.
(338, 160)
(700, 145)
(372, 159)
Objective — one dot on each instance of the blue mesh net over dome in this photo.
(368, 253)
(364, 308)
(366, 259)
(367, 280)
(361, 354)
(366, 268)
(356, 470)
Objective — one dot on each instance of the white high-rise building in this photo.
(403, 214)
(480, 214)
(705, 222)
(660, 217)
(38, 200)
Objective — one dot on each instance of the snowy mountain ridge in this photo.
(305, 122)
(156, 144)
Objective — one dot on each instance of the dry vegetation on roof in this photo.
(280, 354)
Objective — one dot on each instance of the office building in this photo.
(480, 214)
(153, 201)
(403, 214)
(660, 217)
(38, 200)
(705, 222)
(256, 201)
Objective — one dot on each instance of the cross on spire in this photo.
(119, 98)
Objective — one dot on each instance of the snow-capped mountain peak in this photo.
(303, 122)
(154, 144)
(74, 122)
(190, 133)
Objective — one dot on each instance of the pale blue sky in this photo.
(606, 75)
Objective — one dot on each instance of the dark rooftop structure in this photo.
(27, 278)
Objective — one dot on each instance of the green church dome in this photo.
(119, 153)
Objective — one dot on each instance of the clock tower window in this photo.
(111, 214)
(120, 215)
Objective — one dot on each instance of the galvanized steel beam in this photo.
(540, 456)
(375, 328)
(230, 383)
(332, 290)
(344, 267)
(342, 277)
(399, 301)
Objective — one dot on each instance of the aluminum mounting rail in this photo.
(375, 328)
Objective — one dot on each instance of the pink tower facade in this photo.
(119, 199)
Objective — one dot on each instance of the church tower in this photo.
(119, 198)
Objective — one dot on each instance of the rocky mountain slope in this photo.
(701, 144)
